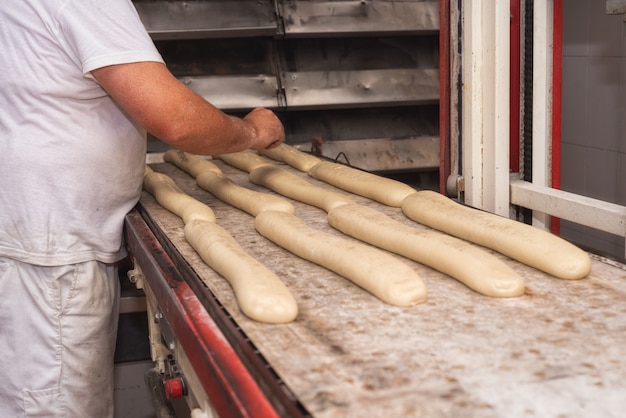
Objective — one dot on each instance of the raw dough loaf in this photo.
(245, 160)
(297, 188)
(259, 292)
(261, 295)
(380, 273)
(191, 164)
(386, 191)
(469, 264)
(291, 156)
(210, 178)
(525, 243)
(169, 195)
(245, 199)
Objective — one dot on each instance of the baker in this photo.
(80, 84)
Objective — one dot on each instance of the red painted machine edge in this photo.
(230, 387)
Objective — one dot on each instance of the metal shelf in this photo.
(363, 17)
(207, 19)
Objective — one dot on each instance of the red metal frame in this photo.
(444, 94)
(515, 82)
(225, 379)
(557, 80)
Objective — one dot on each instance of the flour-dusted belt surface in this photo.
(559, 349)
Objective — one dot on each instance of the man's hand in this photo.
(269, 129)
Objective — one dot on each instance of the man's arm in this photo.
(151, 95)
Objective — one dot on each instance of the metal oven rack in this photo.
(357, 80)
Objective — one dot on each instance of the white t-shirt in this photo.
(71, 162)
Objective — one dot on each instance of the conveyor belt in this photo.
(559, 350)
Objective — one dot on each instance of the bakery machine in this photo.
(412, 90)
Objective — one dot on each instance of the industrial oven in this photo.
(412, 90)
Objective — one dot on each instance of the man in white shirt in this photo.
(80, 84)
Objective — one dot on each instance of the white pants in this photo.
(57, 339)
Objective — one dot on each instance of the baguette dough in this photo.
(245, 160)
(525, 243)
(386, 191)
(291, 156)
(190, 163)
(245, 199)
(476, 268)
(169, 195)
(210, 178)
(295, 187)
(380, 273)
(259, 292)
(261, 295)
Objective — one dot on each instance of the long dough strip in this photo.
(169, 195)
(386, 191)
(291, 156)
(480, 271)
(240, 197)
(210, 178)
(295, 187)
(261, 295)
(525, 243)
(381, 274)
(191, 164)
(244, 160)
(503, 282)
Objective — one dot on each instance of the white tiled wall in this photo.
(594, 113)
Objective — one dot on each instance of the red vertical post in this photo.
(557, 79)
(444, 94)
